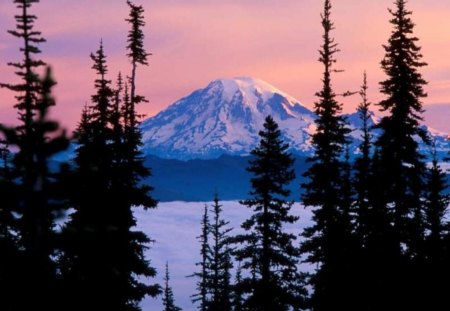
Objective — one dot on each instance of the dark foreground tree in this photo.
(329, 243)
(168, 299)
(437, 236)
(41, 200)
(104, 251)
(266, 250)
(362, 167)
(398, 241)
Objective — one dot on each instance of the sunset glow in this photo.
(196, 41)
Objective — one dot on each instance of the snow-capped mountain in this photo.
(226, 116)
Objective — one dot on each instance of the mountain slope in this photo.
(225, 118)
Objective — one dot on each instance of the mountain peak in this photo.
(248, 87)
(225, 118)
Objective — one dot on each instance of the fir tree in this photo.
(363, 166)
(399, 170)
(168, 299)
(436, 207)
(220, 265)
(8, 225)
(329, 243)
(137, 53)
(134, 191)
(238, 294)
(108, 187)
(202, 297)
(267, 251)
(37, 139)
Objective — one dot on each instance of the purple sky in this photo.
(196, 41)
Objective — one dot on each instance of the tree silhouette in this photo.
(41, 200)
(202, 297)
(220, 264)
(168, 299)
(399, 169)
(329, 243)
(266, 250)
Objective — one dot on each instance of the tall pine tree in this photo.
(363, 166)
(437, 237)
(266, 250)
(220, 265)
(329, 243)
(399, 169)
(202, 296)
(40, 201)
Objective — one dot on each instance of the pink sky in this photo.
(196, 41)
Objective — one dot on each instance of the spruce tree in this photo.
(399, 170)
(238, 299)
(329, 243)
(40, 201)
(135, 192)
(220, 265)
(266, 250)
(136, 53)
(362, 166)
(108, 186)
(363, 209)
(8, 225)
(89, 256)
(168, 299)
(437, 237)
(202, 296)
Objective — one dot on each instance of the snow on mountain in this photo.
(225, 118)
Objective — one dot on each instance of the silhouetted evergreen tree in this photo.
(437, 252)
(137, 53)
(329, 243)
(8, 226)
(266, 250)
(168, 299)
(134, 192)
(109, 185)
(90, 255)
(399, 170)
(362, 167)
(202, 296)
(37, 139)
(238, 294)
(220, 265)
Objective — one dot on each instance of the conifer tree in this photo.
(399, 170)
(202, 297)
(8, 225)
(437, 252)
(363, 166)
(265, 247)
(89, 258)
(168, 299)
(220, 265)
(329, 242)
(134, 191)
(238, 299)
(136, 53)
(108, 187)
(37, 139)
